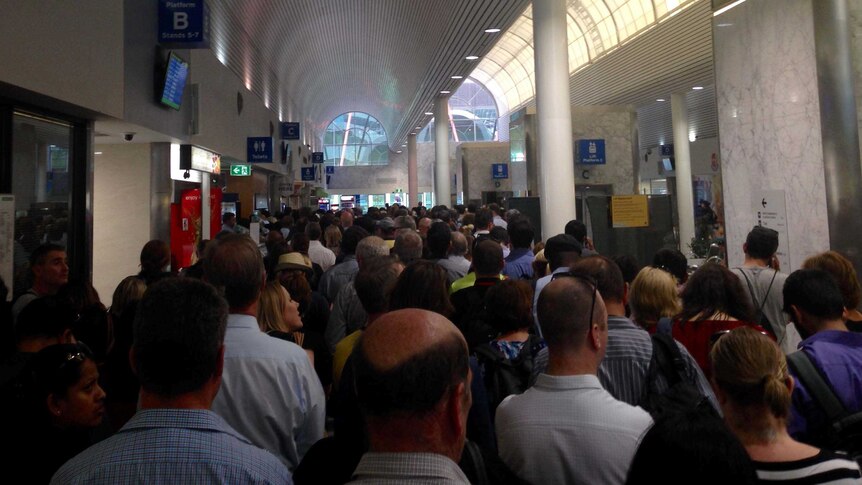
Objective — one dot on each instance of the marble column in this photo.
(769, 121)
(553, 112)
(682, 168)
(412, 172)
(442, 182)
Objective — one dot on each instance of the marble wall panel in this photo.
(769, 121)
(476, 159)
(378, 179)
(614, 125)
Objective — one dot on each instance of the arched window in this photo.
(472, 114)
(355, 139)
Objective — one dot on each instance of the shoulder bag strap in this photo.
(750, 288)
(810, 377)
(668, 357)
(478, 462)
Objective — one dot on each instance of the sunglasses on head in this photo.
(588, 279)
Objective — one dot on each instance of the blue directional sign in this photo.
(184, 23)
(316, 157)
(330, 170)
(591, 152)
(667, 150)
(500, 170)
(290, 130)
(259, 149)
(308, 174)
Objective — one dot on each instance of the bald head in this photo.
(564, 312)
(407, 361)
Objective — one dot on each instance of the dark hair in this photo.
(408, 246)
(713, 288)
(155, 255)
(38, 256)
(300, 242)
(521, 232)
(486, 257)
(691, 447)
(45, 317)
(375, 281)
(815, 292)
(234, 265)
(351, 237)
(499, 234)
(179, 330)
(576, 229)
(422, 284)
(629, 266)
(509, 306)
(56, 368)
(296, 283)
(484, 217)
(844, 273)
(313, 231)
(672, 261)
(761, 242)
(227, 216)
(414, 387)
(607, 274)
(439, 238)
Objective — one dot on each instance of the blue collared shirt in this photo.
(838, 357)
(519, 264)
(176, 446)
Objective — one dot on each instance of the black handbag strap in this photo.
(810, 377)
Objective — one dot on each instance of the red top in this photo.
(695, 335)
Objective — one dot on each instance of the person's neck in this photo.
(836, 325)
(568, 363)
(408, 436)
(44, 289)
(250, 310)
(615, 308)
(752, 262)
(770, 442)
(192, 400)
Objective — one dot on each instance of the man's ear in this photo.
(457, 406)
(594, 336)
(797, 314)
(745, 248)
(220, 361)
(53, 405)
(626, 289)
(132, 361)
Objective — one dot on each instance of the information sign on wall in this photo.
(308, 174)
(290, 130)
(259, 149)
(330, 170)
(591, 152)
(770, 211)
(238, 170)
(629, 211)
(316, 157)
(500, 170)
(184, 23)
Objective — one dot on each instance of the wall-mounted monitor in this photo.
(667, 165)
(176, 73)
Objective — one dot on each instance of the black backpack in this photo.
(504, 377)
(680, 395)
(844, 429)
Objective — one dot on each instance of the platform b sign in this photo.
(184, 24)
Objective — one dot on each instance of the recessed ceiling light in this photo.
(445, 92)
(661, 100)
(697, 88)
(428, 113)
(399, 151)
(404, 145)
(491, 31)
(471, 58)
(97, 153)
(418, 127)
(724, 25)
(457, 77)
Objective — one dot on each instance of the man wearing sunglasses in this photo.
(567, 428)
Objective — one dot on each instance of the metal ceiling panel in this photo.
(312, 60)
(654, 120)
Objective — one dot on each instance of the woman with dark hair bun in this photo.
(754, 389)
(422, 284)
(155, 259)
(713, 300)
(61, 404)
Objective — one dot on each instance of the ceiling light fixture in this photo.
(471, 58)
(457, 77)
(697, 88)
(661, 100)
(445, 92)
(418, 127)
(491, 31)
(428, 113)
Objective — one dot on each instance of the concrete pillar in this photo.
(412, 172)
(442, 183)
(682, 168)
(554, 114)
(162, 191)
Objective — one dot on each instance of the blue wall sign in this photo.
(316, 157)
(259, 149)
(330, 170)
(184, 23)
(308, 174)
(290, 130)
(500, 170)
(591, 152)
(667, 150)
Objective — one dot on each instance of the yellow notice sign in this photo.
(629, 211)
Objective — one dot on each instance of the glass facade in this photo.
(472, 115)
(355, 139)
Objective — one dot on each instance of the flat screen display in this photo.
(175, 81)
(667, 164)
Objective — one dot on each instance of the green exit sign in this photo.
(240, 170)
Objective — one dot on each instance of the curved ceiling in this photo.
(312, 60)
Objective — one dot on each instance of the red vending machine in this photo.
(186, 224)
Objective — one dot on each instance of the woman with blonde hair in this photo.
(754, 389)
(845, 276)
(653, 297)
(278, 316)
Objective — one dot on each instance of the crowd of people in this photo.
(450, 345)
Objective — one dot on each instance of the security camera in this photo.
(186, 175)
(128, 136)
